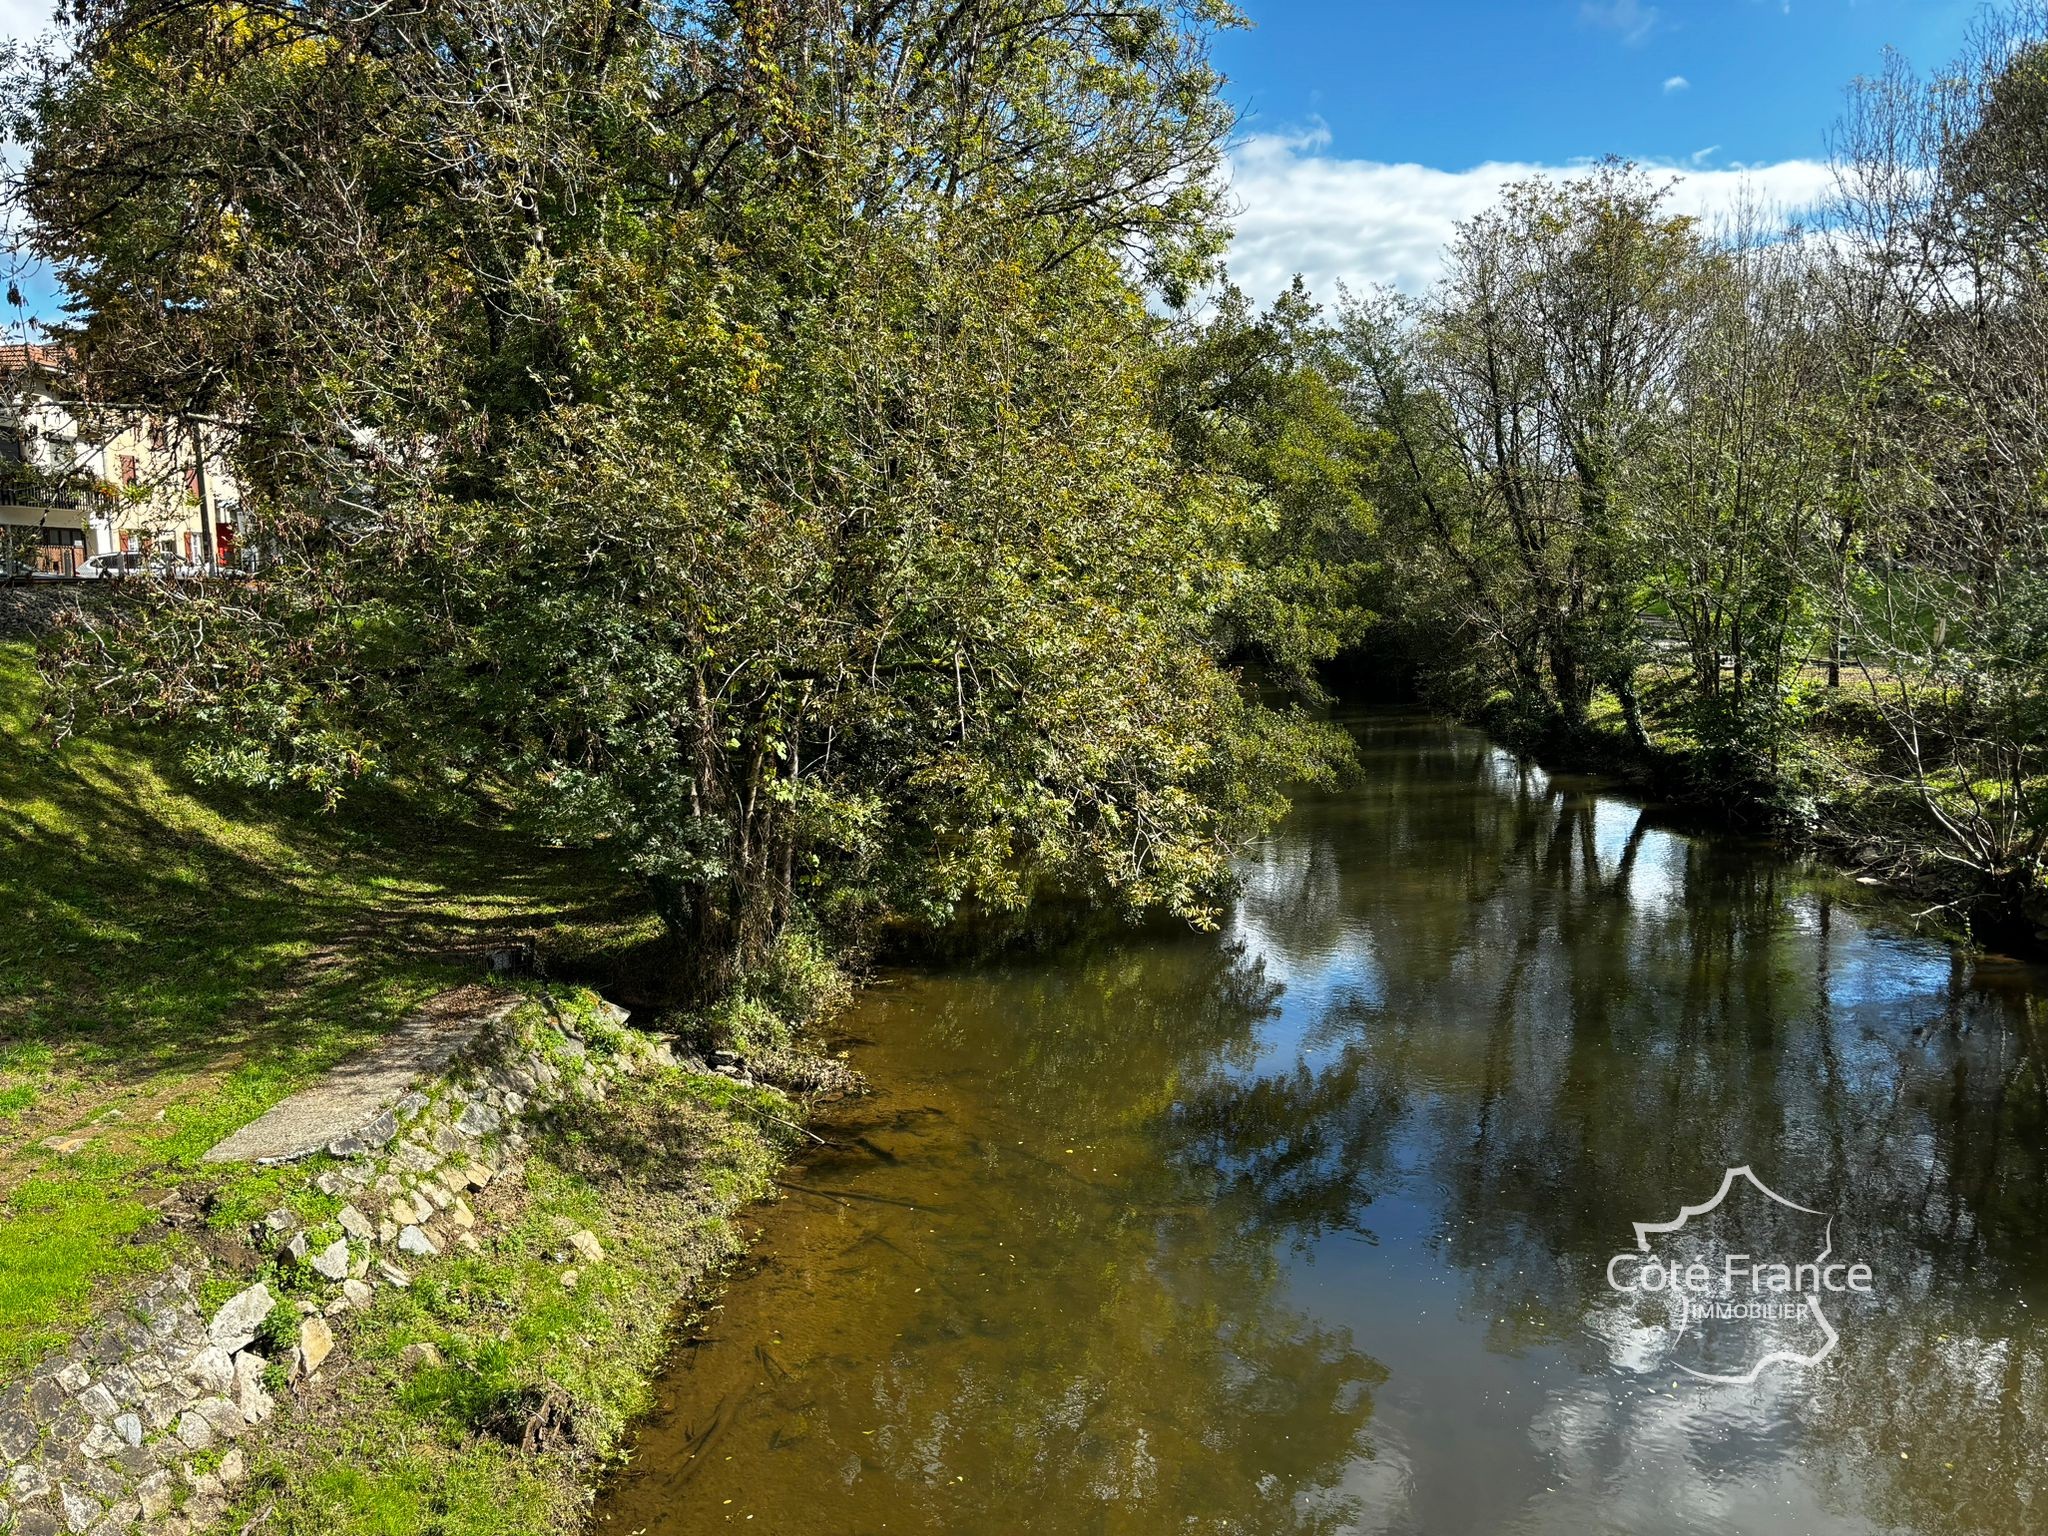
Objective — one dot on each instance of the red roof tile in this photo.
(16, 356)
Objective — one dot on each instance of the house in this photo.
(80, 478)
(42, 517)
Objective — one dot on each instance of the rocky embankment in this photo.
(151, 1418)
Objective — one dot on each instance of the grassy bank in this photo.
(178, 959)
(487, 1397)
(173, 961)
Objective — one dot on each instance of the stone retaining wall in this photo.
(141, 1423)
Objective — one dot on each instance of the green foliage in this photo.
(1262, 398)
(1621, 443)
(1750, 748)
(278, 1334)
(796, 983)
(1735, 509)
(1517, 396)
(1945, 379)
(748, 464)
(799, 978)
(748, 1026)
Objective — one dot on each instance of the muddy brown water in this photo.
(1306, 1226)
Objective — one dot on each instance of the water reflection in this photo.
(1302, 1227)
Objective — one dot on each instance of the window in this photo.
(159, 438)
(128, 472)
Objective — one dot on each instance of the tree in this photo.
(1942, 286)
(1517, 393)
(1262, 398)
(1732, 499)
(725, 429)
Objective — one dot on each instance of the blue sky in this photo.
(1455, 83)
(1370, 128)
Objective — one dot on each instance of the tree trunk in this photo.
(1631, 710)
(707, 931)
(1572, 695)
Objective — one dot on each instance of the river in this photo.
(1326, 1221)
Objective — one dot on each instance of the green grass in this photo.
(65, 1235)
(174, 960)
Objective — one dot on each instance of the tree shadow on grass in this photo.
(154, 927)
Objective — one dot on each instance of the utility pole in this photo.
(206, 547)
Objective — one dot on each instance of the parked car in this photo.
(16, 570)
(136, 562)
(127, 562)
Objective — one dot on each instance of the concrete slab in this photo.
(355, 1095)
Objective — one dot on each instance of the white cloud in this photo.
(1677, 83)
(1631, 18)
(1363, 222)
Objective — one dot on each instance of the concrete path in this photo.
(354, 1095)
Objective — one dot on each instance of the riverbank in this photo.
(1839, 792)
(177, 962)
(488, 1394)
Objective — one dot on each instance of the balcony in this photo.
(27, 489)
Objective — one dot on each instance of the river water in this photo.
(1308, 1225)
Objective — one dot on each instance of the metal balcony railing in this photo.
(27, 491)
